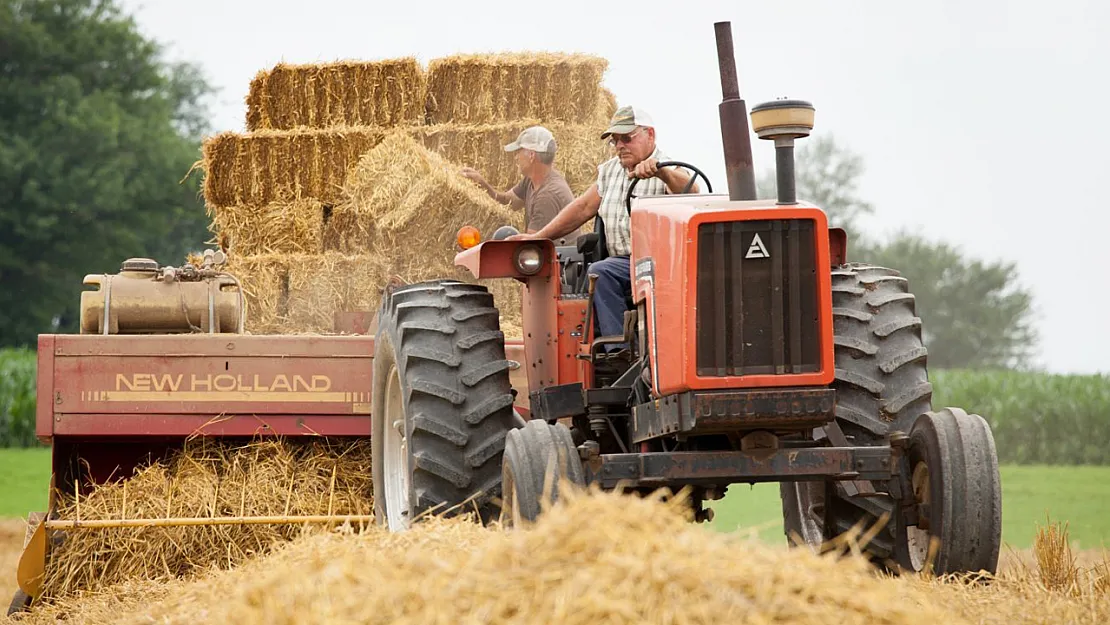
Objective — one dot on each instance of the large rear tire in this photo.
(538, 457)
(953, 470)
(881, 385)
(442, 403)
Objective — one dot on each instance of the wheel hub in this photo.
(395, 460)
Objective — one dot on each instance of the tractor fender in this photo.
(497, 259)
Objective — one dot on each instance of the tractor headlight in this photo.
(529, 259)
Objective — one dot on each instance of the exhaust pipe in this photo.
(739, 170)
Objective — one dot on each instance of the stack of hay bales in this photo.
(348, 174)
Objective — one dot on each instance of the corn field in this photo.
(17, 398)
(1037, 418)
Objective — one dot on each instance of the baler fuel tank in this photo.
(146, 299)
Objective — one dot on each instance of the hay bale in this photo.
(322, 285)
(265, 283)
(346, 93)
(295, 227)
(274, 166)
(405, 205)
(417, 200)
(483, 148)
(491, 88)
(208, 477)
(300, 293)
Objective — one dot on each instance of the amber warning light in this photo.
(468, 237)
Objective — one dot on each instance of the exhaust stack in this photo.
(739, 169)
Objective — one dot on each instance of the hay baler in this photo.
(757, 353)
(161, 357)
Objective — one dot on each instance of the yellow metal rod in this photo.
(185, 521)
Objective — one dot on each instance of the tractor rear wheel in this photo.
(953, 470)
(537, 458)
(881, 385)
(442, 403)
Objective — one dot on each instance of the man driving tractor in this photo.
(631, 133)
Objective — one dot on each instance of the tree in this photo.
(827, 175)
(974, 313)
(97, 132)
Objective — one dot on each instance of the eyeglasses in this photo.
(615, 139)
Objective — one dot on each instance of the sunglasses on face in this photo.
(626, 139)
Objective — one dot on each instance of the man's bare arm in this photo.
(582, 209)
(501, 197)
(506, 197)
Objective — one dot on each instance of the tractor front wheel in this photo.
(538, 459)
(953, 473)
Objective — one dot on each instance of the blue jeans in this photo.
(614, 285)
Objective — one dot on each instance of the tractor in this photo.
(756, 352)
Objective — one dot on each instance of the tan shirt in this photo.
(542, 203)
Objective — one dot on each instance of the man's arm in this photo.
(582, 209)
(675, 178)
(502, 197)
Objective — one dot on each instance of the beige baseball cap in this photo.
(535, 138)
(626, 119)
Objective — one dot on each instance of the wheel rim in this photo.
(917, 539)
(395, 465)
(809, 497)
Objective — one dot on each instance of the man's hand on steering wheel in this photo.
(651, 165)
(646, 168)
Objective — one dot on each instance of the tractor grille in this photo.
(757, 298)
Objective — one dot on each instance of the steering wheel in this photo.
(697, 172)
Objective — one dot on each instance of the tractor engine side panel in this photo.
(736, 294)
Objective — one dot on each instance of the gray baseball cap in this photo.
(626, 119)
(535, 138)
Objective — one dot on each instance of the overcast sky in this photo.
(981, 123)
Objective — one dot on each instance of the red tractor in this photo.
(758, 353)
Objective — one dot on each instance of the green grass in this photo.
(1079, 495)
(24, 480)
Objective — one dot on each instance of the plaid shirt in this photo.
(612, 186)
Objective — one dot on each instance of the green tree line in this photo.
(97, 132)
